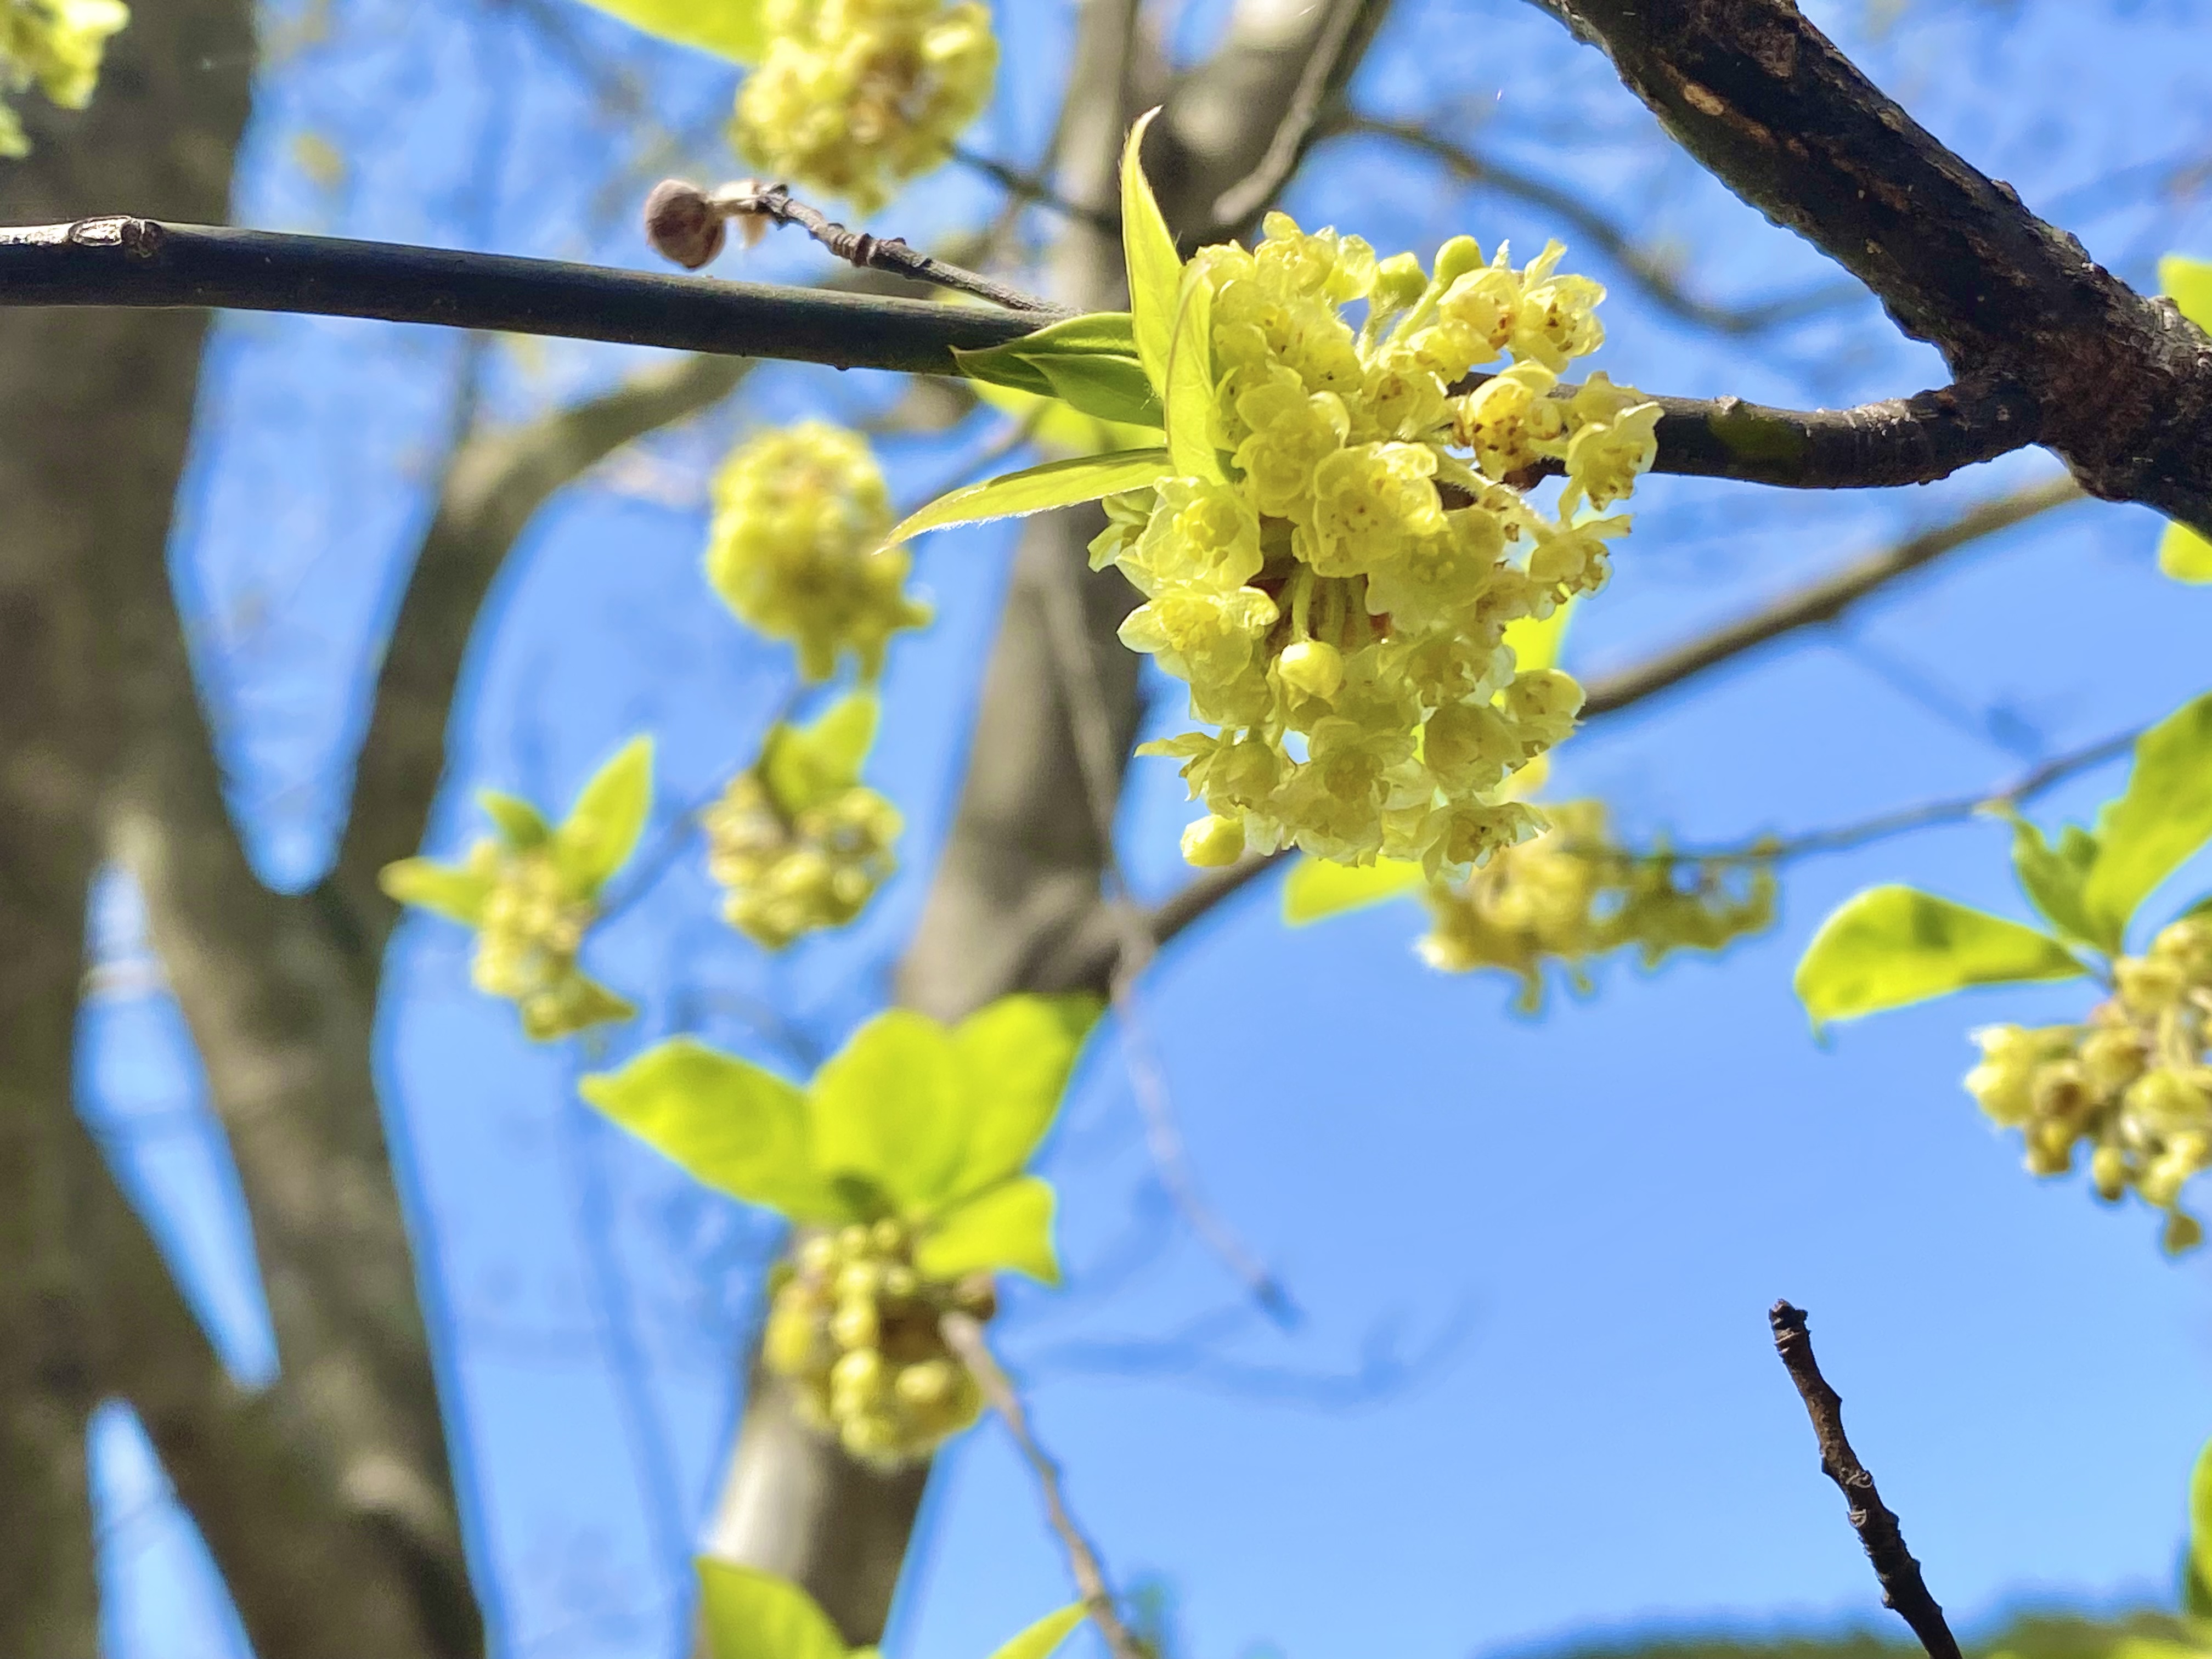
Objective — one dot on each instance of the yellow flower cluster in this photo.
(855, 97)
(855, 1327)
(1337, 607)
(792, 871)
(2134, 1083)
(796, 547)
(1570, 895)
(531, 926)
(55, 46)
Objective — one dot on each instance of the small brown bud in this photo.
(682, 224)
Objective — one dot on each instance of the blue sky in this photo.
(1532, 1396)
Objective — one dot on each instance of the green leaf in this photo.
(751, 1615)
(2197, 1573)
(1889, 946)
(1112, 388)
(2190, 281)
(738, 1128)
(2184, 554)
(1155, 272)
(887, 1106)
(2164, 815)
(521, 826)
(1537, 640)
(1190, 383)
(727, 28)
(601, 830)
(1008, 1226)
(1057, 429)
(1317, 888)
(2052, 876)
(805, 765)
(1094, 334)
(1040, 1640)
(1012, 1061)
(1039, 489)
(457, 894)
(576, 1004)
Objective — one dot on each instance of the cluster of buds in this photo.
(793, 869)
(855, 97)
(55, 46)
(2133, 1083)
(855, 1328)
(1570, 895)
(796, 548)
(533, 925)
(1338, 606)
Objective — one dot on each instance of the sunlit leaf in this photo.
(2190, 283)
(1111, 388)
(1040, 488)
(1094, 334)
(888, 1106)
(807, 765)
(751, 1615)
(1316, 888)
(1055, 428)
(1012, 1059)
(1889, 946)
(2184, 554)
(2051, 877)
(2164, 816)
(521, 826)
(1008, 1226)
(1155, 272)
(1538, 640)
(727, 28)
(737, 1127)
(1190, 383)
(1040, 1640)
(601, 830)
(2196, 1566)
(458, 895)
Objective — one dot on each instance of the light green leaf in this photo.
(728, 28)
(738, 1128)
(2184, 554)
(1059, 429)
(805, 765)
(601, 830)
(1155, 272)
(1008, 1226)
(2163, 816)
(521, 826)
(1041, 1639)
(887, 1106)
(751, 1615)
(2197, 1570)
(576, 1004)
(457, 894)
(2051, 877)
(1190, 383)
(1317, 888)
(1889, 946)
(2190, 283)
(1039, 489)
(1094, 334)
(1112, 388)
(1012, 1059)
(1538, 640)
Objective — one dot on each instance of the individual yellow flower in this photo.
(796, 548)
(57, 46)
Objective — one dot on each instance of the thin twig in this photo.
(1028, 187)
(1902, 1587)
(965, 1338)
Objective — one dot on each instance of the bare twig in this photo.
(1302, 123)
(1032, 188)
(1902, 1587)
(1651, 272)
(965, 1338)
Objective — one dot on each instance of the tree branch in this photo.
(1902, 1587)
(1345, 29)
(1651, 272)
(2122, 384)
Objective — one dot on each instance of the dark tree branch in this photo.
(2121, 384)
(1902, 1587)
(140, 262)
(1651, 272)
(1824, 600)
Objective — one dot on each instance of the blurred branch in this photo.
(1651, 272)
(1824, 600)
(2119, 385)
(1028, 187)
(1337, 44)
(1902, 1587)
(965, 1338)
